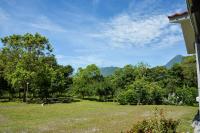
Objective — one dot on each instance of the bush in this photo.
(172, 99)
(156, 124)
(141, 92)
(187, 95)
(131, 97)
(121, 98)
(127, 97)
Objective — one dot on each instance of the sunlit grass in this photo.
(84, 116)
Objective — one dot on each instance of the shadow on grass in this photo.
(91, 99)
(4, 100)
(53, 100)
(42, 101)
(97, 99)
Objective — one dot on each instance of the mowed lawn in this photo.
(84, 117)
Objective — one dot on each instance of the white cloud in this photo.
(45, 23)
(80, 61)
(172, 35)
(125, 30)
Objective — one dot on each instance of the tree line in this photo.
(28, 69)
(27, 66)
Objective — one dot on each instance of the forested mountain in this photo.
(107, 71)
(176, 59)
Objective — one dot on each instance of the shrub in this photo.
(187, 95)
(131, 97)
(141, 92)
(121, 98)
(127, 97)
(172, 99)
(156, 93)
(156, 124)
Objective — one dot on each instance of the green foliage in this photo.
(123, 76)
(121, 98)
(28, 65)
(141, 70)
(157, 74)
(61, 79)
(141, 92)
(189, 71)
(127, 97)
(157, 124)
(187, 95)
(105, 89)
(21, 57)
(85, 80)
(172, 99)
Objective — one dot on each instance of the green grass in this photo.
(84, 117)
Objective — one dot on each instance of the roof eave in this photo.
(188, 32)
(179, 19)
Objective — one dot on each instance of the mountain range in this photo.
(176, 59)
(106, 71)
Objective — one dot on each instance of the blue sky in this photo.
(101, 32)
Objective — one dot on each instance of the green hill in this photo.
(176, 59)
(106, 71)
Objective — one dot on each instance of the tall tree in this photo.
(189, 71)
(21, 57)
(61, 79)
(85, 80)
(105, 89)
(123, 77)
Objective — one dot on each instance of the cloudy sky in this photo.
(102, 32)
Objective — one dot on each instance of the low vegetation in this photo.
(156, 124)
(86, 116)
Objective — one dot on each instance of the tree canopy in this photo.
(28, 69)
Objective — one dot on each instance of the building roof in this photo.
(178, 15)
(188, 31)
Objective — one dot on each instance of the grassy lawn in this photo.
(83, 117)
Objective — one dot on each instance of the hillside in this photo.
(106, 71)
(176, 59)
